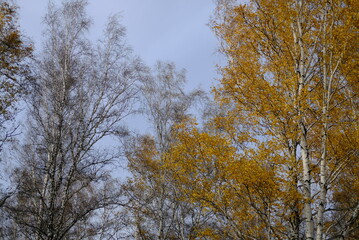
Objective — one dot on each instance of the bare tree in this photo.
(165, 101)
(154, 203)
(82, 94)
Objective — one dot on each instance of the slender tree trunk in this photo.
(309, 226)
(323, 164)
(294, 209)
(322, 184)
(307, 211)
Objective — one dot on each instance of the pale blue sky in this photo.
(171, 30)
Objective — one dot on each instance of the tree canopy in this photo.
(273, 154)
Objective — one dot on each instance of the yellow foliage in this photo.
(291, 82)
(208, 170)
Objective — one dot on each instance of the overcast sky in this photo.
(170, 30)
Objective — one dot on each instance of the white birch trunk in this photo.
(309, 225)
(322, 184)
(323, 164)
(307, 211)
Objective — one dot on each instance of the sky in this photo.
(168, 30)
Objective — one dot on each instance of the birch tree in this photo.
(291, 74)
(153, 201)
(82, 94)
